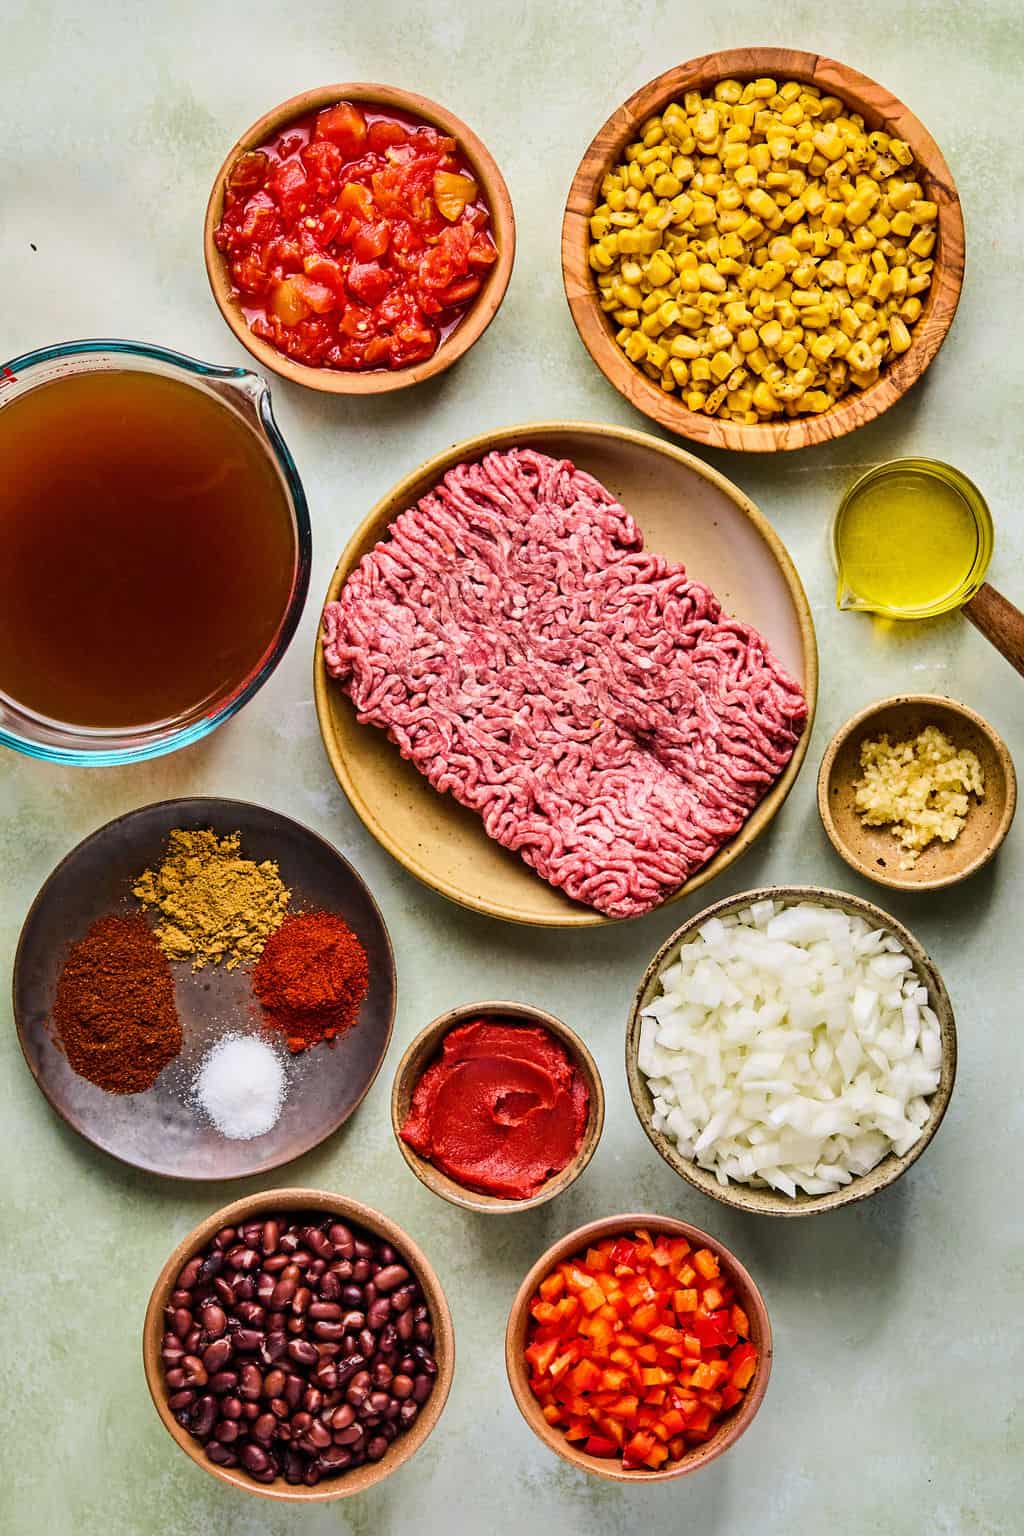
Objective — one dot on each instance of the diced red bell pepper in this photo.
(742, 1365)
(597, 1445)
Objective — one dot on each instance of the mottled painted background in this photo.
(894, 1403)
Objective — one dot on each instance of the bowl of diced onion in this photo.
(791, 1050)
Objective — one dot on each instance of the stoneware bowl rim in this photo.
(769, 1202)
(862, 93)
(941, 705)
(423, 1049)
(575, 1242)
(297, 1198)
(476, 319)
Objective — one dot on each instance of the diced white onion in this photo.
(792, 1047)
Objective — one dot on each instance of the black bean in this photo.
(390, 1278)
(253, 1459)
(231, 1408)
(335, 1459)
(378, 1314)
(382, 1374)
(250, 1379)
(264, 1428)
(220, 1455)
(351, 1434)
(302, 1352)
(217, 1355)
(407, 1412)
(223, 1381)
(227, 1431)
(376, 1448)
(224, 1291)
(421, 1389)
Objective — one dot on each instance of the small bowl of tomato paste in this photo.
(497, 1106)
(359, 238)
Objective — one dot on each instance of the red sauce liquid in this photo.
(148, 550)
(338, 249)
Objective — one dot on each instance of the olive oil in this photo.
(911, 539)
(149, 551)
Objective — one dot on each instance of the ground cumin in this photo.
(214, 905)
(114, 1010)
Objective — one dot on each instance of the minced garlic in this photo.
(920, 788)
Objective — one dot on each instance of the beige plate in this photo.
(768, 1202)
(249, 1208)
(687, 512)
(731, 1427)
(874, 851)
(427, 1046)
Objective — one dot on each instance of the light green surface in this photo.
(894, 1402)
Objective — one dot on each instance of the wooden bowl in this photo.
(730, 1429)
(769, 1202)
(427, 1046)
(880, 109)
(687, 512)
(269, 1200)
(476, 319)
(873, 851)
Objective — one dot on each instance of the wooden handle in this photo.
(1000, 622)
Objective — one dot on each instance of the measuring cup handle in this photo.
(1000, 622)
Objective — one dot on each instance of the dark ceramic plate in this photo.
(158, 1130)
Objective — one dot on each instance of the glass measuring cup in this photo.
(246, 395)
(912, 539)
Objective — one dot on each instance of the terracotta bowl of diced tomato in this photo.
(638, 1348)
(359, 239)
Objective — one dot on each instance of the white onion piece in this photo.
(791, 1047)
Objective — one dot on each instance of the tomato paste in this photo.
(501, 1110)
(355, 239)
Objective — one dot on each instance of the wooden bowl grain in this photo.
(768, 1202)
(360, 1479)
(477, 318)
(730, 1429)
(880, 109)
(874, 851)
(426, 1047)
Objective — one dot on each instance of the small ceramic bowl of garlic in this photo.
(917, 792)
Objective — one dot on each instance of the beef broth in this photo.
(148, 550)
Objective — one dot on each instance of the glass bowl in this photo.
(248, 396)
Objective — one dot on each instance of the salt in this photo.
(241, 1086)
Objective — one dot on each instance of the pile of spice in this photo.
(311, 978)
(214, 905)
(240, 1087)
(114, 1010)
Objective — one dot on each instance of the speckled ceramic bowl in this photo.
(768, 1202)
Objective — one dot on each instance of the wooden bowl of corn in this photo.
(763, 249)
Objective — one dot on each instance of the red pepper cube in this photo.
(706, 1263)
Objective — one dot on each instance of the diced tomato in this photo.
(345, 126)
(371, 240)
(319, 297)
(368, 281)
(290, 189)
(382, 134)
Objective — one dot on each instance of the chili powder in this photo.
(114, 1010)
(311, 978)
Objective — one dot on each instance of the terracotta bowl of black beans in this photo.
(298, 1345)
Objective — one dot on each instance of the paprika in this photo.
(311, 978)
(114, 1011)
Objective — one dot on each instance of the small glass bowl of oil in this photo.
(912, 539)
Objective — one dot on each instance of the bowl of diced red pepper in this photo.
(359, 239)
(638, 1348)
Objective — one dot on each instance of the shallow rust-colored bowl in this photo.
(472, 324)
(686, 511)
(425, 1049)
(769, 1202)
(874, 851)
(731, 1427)
(880, 109)
(294, 1200)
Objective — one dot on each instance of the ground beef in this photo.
(586, 698)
